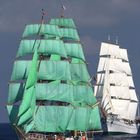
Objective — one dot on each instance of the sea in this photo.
(7, 133)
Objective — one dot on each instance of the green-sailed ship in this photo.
(50, 91)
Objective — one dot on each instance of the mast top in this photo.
(43, 14)
(109, 37)
(63, 8)
(117, 42)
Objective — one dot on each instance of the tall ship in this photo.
(115, 90)
(50, 93)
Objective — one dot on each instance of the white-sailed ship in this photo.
(115, 90)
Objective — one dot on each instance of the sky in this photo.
(95, 20)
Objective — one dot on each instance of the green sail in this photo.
(69, 33)
(79, 118)
(82, 95)
(27, 107)
(45, 47)
(74, 50)
(63, 22)
(67, 28)
(42, 29)
(48, 70)
(52, 70)
(79, 72)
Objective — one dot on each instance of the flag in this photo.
(44, 13)
(63, 7)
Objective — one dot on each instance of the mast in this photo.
(63, 8)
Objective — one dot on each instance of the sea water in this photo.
(7, 133)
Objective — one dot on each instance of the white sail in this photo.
(102, 64)
(133, 95)
(126, 68)
(119, 92)
(98, 90)
(132, 110)
(110, 49)
(120, 107)
(100, 78)
(117, 65)
(123, 54)
(106, 99)
(118, 79)
(130, 81)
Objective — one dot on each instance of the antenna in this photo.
(63, 8)
(117, 42)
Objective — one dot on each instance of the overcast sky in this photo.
(95, 20)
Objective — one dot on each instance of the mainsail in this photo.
(56, 84)
(115, 87)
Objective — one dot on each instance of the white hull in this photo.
(119, 126)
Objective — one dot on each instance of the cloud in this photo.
(90, 46)
(16, 13)
(103, 13)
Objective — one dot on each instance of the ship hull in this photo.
(120, 126)
(38, 136)
(41, 136)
